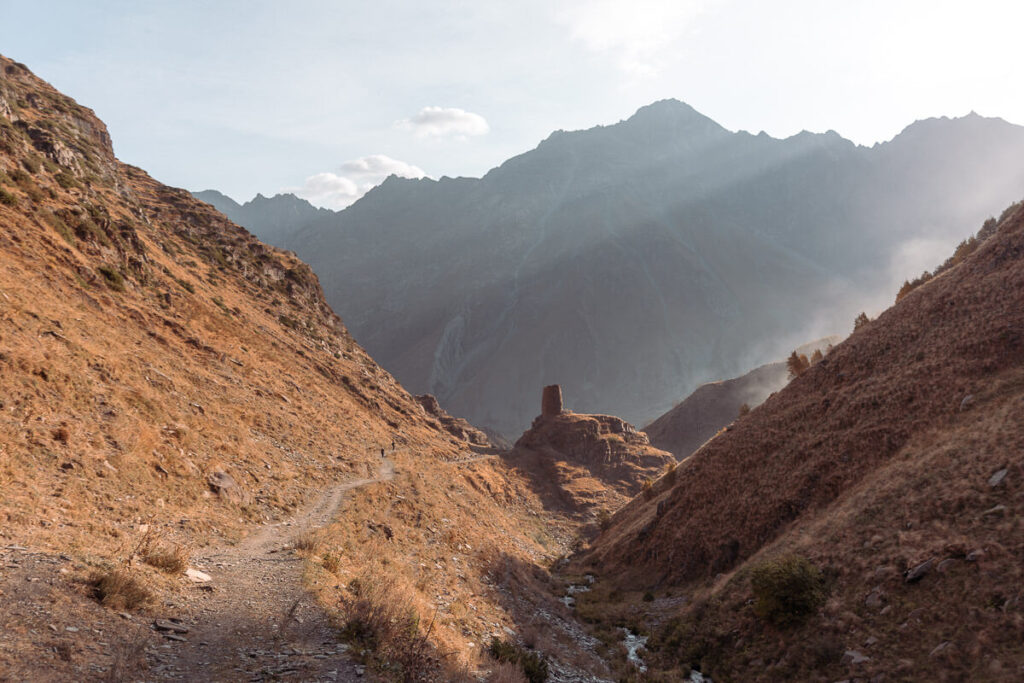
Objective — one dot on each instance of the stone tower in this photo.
(551, 401)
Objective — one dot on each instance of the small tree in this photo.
(860, 321)
(744, 409)
(816, 357)
(797, 364)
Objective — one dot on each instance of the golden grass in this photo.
(118, 589)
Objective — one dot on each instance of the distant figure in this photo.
(392, 444)
(382, 453)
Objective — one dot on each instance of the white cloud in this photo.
(641, 33)
(441, 122)
(352, 180)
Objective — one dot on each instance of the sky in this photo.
(326, 98)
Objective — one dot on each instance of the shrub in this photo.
(860, 321)
(648, 489)
(118, 589)
(604, 519)
(787, 590)
(66, 180)
(7, 198)
(744, 410)
(533, 664)
(816, 356)
(61, 227)
(797, 364)
(113, 278)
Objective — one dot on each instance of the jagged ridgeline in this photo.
(635, 261)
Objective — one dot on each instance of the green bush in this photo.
(787, 590)
(533, 664)
(113, 278)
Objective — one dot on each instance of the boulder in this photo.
(225, 486)
(917, 573)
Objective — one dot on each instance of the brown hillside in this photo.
(168, 379)
(714, 405)
(904, 448)
(147, 343)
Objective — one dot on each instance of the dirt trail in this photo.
(258, 623)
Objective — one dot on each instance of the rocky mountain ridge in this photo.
(621, 261)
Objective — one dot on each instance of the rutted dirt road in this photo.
(254, 621)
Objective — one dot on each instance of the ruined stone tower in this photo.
(551, 401)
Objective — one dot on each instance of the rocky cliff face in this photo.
(633, 262)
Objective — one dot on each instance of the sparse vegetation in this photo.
(118, 589)
(113, 277)
(383, 622)
(532, 663)
(670, 473)
(7, 198)
(860, 321)
(162, 554)
(787, 590)
(797, 364)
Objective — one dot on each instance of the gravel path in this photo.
(254, 621)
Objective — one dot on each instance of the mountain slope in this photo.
(632, 262)
(895, 465)
(174, 387)
(714, 405)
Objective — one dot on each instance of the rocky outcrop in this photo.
(585, 462)
(456, 426)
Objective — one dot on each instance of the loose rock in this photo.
(918, 572)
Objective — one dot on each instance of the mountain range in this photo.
(631, 262)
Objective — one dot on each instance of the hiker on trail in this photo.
(382, 453)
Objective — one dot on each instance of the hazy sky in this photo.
(326, 98)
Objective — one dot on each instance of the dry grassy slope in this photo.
(147, 343)
(877, 459)
(200, 350)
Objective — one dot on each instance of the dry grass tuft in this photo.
(158, 552)
(383, 619)
(308, 541)
(504, 672)
(118, 589)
